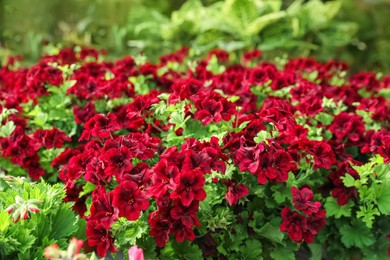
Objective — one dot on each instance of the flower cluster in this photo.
(303, 226)
(155, 142)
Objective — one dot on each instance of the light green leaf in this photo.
(262, 136)
(333, 209)
(324, 118)
(348, 180)
(7, 129)
(260, 23)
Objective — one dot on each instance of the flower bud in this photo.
(25, 215)
(10, 209)
(136, 253)
(16, 216)
(52, 252)
(33, 208)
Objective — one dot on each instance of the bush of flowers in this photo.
(220, 157)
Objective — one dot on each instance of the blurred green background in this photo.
(352, 30)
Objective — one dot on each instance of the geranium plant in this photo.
(222, 157)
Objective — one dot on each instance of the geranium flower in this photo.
(99, 235)
(187, 215)
(160, 229)
(294, 224)
(189, 187)
(302, 200)
(118, 161)
(102, 206)
(235, 192)
(164, 174)
(129, 199)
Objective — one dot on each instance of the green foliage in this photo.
(373, 189)
(356, 234)
(55, 222)
(333, 209)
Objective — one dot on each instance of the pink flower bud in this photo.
(51, 252)
(25, 215)
(136, 253)
(16, 216)
(9, 209)
(76, 245)
(33, 209)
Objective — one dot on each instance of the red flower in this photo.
(160, 229)
(118, 160)
(302, 200)
(316, 222)
(100, 126)
(130, 201)
(98, 234)
(186, 215)
(102, 208)
(235, 192)
(164, 174)
(322, 152)
(294, 224)
(182, 232)
(189, 187)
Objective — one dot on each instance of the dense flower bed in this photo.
(218, 157)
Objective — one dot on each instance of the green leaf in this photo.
(240, 13)
(7, 129)
(262, 136)
(356, 234)
(316, 251)
(382, 193)
(367, 212)
(283, 253)
(252, 250)
(348, 180)
(272, 232)
(177, 118)
(186, 250)
(333, 209)
(4, 221)
(25, 238)
(87, 188)
(324, 118)
(64, 223)
(260, 23)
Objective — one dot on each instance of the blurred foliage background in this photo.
(352, 30)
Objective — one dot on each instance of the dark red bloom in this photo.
(302, 200)
(322, 152)
(99, 235)
(189, 187)
(53, 138)
(164, 174)
(160, 229)
(235, 192)
(102, 208)
(118, 161)
(129, 199)
(294, 224)
(100, 126)
(186, 215)
(182, 232)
